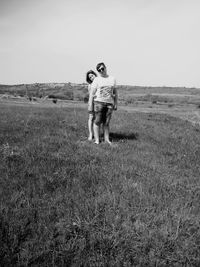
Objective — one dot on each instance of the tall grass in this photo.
(66, 202)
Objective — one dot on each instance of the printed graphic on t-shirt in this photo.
(105, 92)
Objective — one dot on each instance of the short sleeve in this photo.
(114, 81)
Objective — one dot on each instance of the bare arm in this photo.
(91, 98)
(115, 93)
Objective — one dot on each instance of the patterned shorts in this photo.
(103, 112)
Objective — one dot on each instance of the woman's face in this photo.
(91, 77)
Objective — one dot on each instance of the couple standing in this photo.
(102, 101)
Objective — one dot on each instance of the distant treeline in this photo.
(70, 91)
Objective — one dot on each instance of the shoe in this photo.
(97, 143)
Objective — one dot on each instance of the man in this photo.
(104, 94)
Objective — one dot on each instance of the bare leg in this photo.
(90, 127)
(106, 127)
(96, 133)
(101, 130)
(106, 134)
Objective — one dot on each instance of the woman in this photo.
(90, 76)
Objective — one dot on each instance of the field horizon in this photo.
(84, 83)
(75, 91)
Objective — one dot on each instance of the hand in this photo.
(115, 107)
(90, 109)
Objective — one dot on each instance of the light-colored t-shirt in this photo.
(102, 89)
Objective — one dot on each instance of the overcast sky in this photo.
(142, 42)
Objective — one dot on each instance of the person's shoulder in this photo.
(111, 77)
(97, 78)
(94, 83)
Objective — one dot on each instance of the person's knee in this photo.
(107, 119)
(91, 117)
(106, 123)
(97, 120)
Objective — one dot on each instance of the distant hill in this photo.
(64, 91)
(72, 91)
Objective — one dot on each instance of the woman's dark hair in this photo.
(87, 76)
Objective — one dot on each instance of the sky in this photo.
(142, 42)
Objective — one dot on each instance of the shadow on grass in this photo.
(123, 136)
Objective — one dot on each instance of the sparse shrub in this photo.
(68, 95)
(129, 101)
(170, 105)
(79, 97)
(52, 96)
(147, 97)
(198, 105)
(86, 98)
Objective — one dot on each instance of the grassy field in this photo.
(67, 202)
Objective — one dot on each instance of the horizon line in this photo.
(84, 83)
